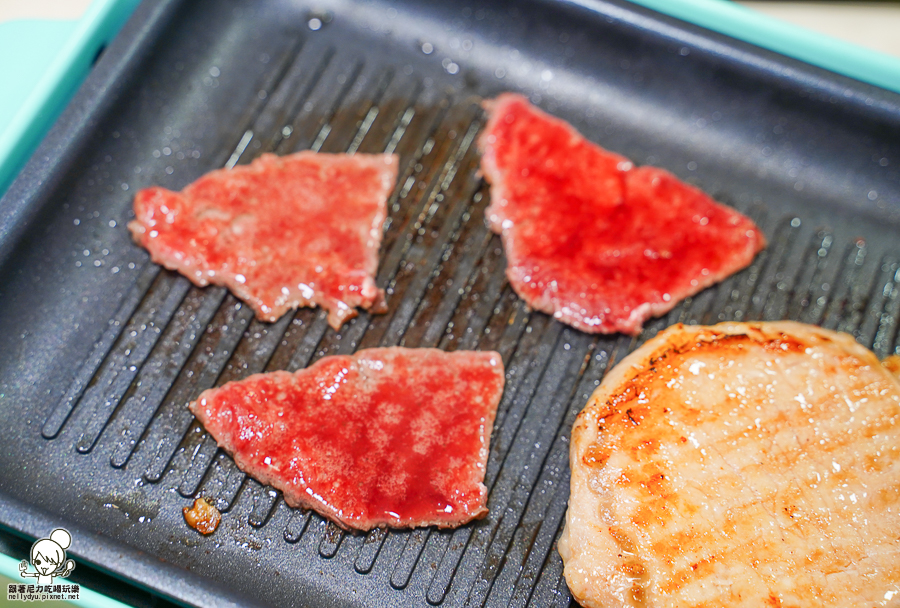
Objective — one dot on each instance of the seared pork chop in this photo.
(386, 437)
(280, 233)
(744, 464)
(590, 238)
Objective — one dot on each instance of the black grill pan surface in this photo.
(100, 350)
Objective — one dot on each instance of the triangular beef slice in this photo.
(590, 238)
(386, 437)
(280, 233)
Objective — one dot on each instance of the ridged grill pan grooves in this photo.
(103, 349)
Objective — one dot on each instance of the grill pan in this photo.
(100, 349)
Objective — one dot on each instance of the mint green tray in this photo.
(9, 573)
(50, 59)
(748, 25)
(42, 63)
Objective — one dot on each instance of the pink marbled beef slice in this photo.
(280, 233)
(593, 240)
(386, 437)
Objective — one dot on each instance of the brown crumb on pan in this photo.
(202, 516)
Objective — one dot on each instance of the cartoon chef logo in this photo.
(48, 556)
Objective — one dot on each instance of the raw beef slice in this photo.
(593, 240)
(386, 437)
(280, 233)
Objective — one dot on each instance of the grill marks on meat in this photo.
(386, 437)
(280, 233)
(739, 464)
(589, 238)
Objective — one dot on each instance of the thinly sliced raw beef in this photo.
(282, 232)
(743, 464)
(589, 238)
(386, 437)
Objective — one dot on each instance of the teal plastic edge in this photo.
(27, 47)
(100, 23)
(821, 50)
(9, 567)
